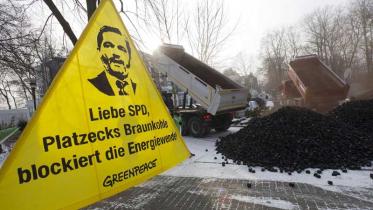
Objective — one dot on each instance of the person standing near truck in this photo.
(167, 97)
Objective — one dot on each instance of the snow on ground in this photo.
(265, 201)
(4, 155)
(203, 164)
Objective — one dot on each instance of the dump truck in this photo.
(313, 84)
(215, 97)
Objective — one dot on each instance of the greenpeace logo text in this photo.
(110, 180)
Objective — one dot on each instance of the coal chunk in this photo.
(317, 175)
(206, 150)
(215, 158)
(248, 185)
(336, 173)
(330, 183)
(223, 164)
(308, 171)
(291, 184)
(272, 170)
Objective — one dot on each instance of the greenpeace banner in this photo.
(101, 128)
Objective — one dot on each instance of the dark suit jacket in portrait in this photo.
(102, 84)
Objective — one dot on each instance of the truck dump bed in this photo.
(315, 81)
(211, 89)
(198, 68)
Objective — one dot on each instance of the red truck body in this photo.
(320, 88)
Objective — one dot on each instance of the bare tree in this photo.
(363, 9)
(20, 51)
(4, 92)
(278, 48)
(15, 50)
(207, 31)
(166, 19)
(293, 42)
(244, 63)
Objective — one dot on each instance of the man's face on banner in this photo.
(114, 55)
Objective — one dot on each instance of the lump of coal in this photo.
(295, 138)
(330, 183)
(291, 184)
(223, 164)
(336, 173)
(317, 176)
(272, 169)
(248, 185)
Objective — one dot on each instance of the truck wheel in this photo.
(196, 128)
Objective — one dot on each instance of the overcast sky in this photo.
(258, 17)
(253, 19)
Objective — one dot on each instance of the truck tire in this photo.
(196, 127)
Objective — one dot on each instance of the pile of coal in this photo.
(294, 139)
(358, 114)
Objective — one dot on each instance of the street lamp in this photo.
(33, 86)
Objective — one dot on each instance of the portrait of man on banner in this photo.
(115, 55)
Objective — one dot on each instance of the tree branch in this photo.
(65, 25)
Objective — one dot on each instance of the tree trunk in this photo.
(65, 25)
(91, 7)
(11, 95)
(5, 95)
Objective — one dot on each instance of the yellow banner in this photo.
(101, 128)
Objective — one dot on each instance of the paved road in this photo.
(167, 192)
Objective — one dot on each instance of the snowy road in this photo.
(201, 182)
(203, 165)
